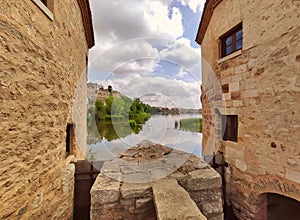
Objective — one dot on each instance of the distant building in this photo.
(104, 93)
(251, 102)
(43, 59)
(92, 92)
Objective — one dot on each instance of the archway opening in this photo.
(281, 207)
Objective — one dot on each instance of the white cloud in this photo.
(194, 5)
(181, 74)
(136, 56)
(184, 56)
(159, 22)
(125, 46)
(116, 21)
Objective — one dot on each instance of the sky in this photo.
(146, 49)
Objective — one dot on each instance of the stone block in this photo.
(252, 63)
(234, 153)
(249, 93)
(226, 80)
(218, 217)
(225, 88)
(135, 190)
(250, 84)
(234, 86)
(209, 208)
(68, 178)
(237, 103)
(206, 195)
(203, 179)
(226, 96)
(240, 69)
(167, 195)
(293, 175)
(237, 78)
(235, 95)
(105, 190)
(241, 165)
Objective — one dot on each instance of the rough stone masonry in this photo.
(41, 62)
(146, 179)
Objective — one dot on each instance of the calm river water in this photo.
(158, 129)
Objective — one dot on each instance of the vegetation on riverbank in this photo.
(191, 124)
(120, 109)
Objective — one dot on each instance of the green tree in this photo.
(109, 101)
(99, 109)
(117, 106)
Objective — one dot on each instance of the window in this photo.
(69, 139)
(232, 41)
(230, 127)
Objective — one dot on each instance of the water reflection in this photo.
(111, 139)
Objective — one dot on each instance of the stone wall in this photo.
(128, 186)
(41, 62)
(261, 85)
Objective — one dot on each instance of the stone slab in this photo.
(203, 179)
(173, 202)
(135, 190)
(105, 190)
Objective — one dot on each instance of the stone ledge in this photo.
(105, 190)
(173, 202)
(203, 179)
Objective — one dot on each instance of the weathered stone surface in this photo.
(105, 190)
(203, 179)
(173, 202)
(293, 175)
(41, 63)
(136, 196)
(234, 86)
(267, 100)
(135, 190)
(212, 207)
(241, 165)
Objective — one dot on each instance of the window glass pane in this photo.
(228, 50)
(239, 35)
(228, 41)
(238, 44)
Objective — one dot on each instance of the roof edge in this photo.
(208, 10)
(87, 22)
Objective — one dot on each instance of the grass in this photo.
(191, 124)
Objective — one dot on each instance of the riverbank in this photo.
(191, 124)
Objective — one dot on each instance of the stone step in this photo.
(172, 202)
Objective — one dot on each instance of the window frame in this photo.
(231, 33)
(230, 124)
(46, 6)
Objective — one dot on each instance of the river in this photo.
(158, 129)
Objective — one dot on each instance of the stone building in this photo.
(104, 93)
(43, 58)
(251, 102)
